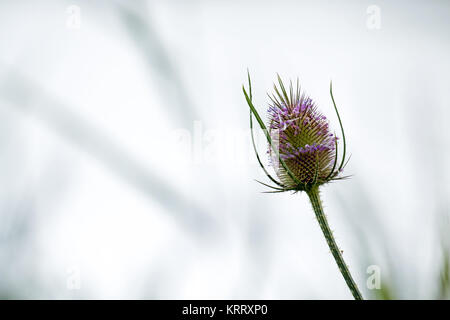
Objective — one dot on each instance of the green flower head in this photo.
(302, 149)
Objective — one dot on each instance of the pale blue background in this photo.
(125, 161)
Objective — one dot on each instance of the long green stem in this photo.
(320, 215)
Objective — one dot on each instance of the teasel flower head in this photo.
(302, 149)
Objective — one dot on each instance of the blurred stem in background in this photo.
(444, 287)
(29, 97)
(444, 272)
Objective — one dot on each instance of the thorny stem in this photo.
(320, 215)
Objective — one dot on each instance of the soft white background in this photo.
(126, 169)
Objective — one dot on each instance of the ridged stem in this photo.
(320, 215)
